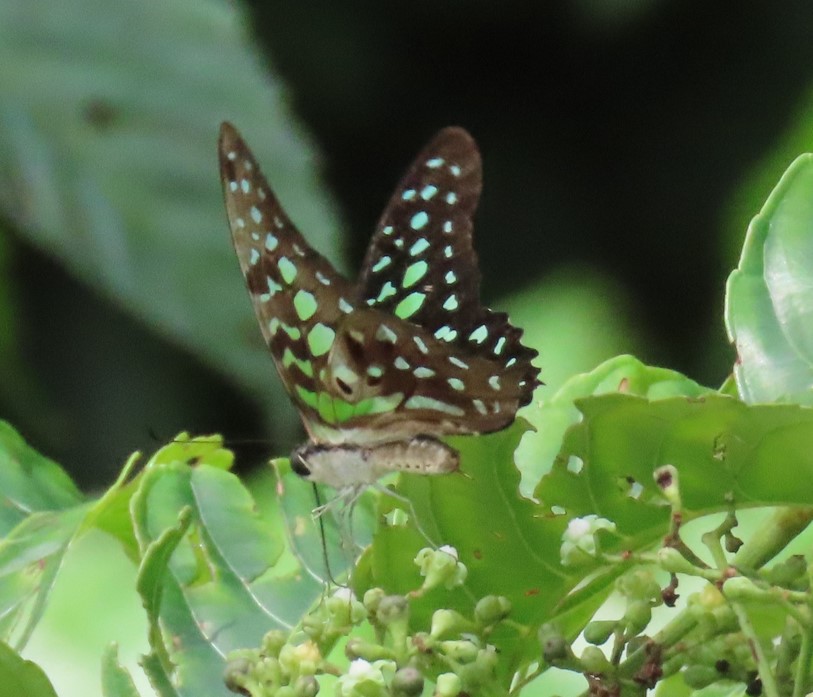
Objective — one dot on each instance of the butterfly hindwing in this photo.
(428, 385)
(298, 297)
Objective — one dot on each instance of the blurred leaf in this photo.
(758, 183)
(552, 417)
(41, 513)
(108, 134)
(116, 680)
(215, 586)
(29, 482)
(21, 678)
(769, 302)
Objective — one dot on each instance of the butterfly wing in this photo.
(404, 381)
(421, 264)
(468, 369)
(298, 297)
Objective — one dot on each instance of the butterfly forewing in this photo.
(421, 265)
(298, 296)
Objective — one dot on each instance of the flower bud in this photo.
(372, 599)
(448, 685)
(460, 650)
(579, 542)
(492, 609)
(441, 567)
(446, 622)
(407, 682)
(599, 631)
(594, 661)
(392, 608)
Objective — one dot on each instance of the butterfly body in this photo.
(381, 368)
(348, 467)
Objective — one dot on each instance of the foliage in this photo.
(623, 459)
(107, 161)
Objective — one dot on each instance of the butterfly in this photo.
(382, 368)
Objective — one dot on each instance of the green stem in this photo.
(773, 536)
(803, 665)
(769, 686)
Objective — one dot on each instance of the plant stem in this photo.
(773, 536)
(803, 663)
(769, 686)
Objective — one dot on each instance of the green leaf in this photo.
(41, 513)
(214, 587)
(316, 541)
(116, 680)
(508, 549)
(30, 482)
(552, 417)
(21, 678)
(769, 302)
(511, 545)
(720, 447)
(108, 161)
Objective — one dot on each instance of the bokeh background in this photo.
(626, 145)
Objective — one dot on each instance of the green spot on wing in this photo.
(320, 339)
(419, 247)
(343, 410)
(287, 269)
(414, 273)
(480, 334)
(292, 332)
(410, 305)
(419, 220)
(386, 291)
(307, 396)
(378, 405)
(325, 408)
(305, 305)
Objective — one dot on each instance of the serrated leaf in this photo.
(42, 512)
(769, 301)
(552, 417)
(215, 588)
(116, 680)
(108, 161)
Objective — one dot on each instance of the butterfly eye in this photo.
(298, 464)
